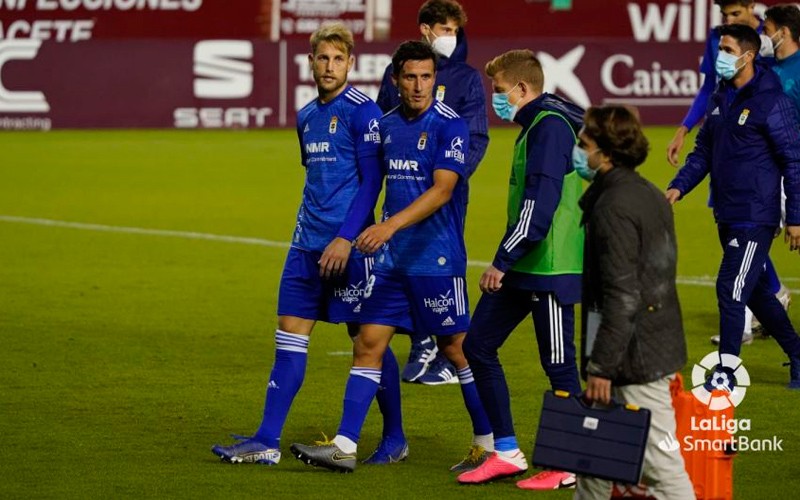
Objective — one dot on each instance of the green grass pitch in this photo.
(125, 355)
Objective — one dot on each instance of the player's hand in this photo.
(598, 389)
(792, 237)
(374, 237)
(491, 280)
(673, 195)
(334, 258)
(675, 146)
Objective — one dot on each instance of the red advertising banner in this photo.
(249, 83)
(80, 20)
(367, 19)
(636, 21)
(154, 84)
(639, 21)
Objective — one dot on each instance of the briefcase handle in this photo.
(586, 404)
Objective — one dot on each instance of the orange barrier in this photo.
(711, 470)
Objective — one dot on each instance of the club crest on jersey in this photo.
(374, 132)
(332, 126)
(456, 150)
(423, 140)
(743, 116)
(440, 92)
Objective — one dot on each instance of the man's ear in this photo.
(424, 30)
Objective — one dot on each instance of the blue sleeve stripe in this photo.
(523, 225)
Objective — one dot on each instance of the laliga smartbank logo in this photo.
(729, 376)
(728, 382)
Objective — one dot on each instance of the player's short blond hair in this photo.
(336, 34)
(518, 66)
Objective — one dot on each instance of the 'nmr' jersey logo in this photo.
(404, 165)
(318, 147)
(374, 132)
(456, 149)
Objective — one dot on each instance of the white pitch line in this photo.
(705, 281)
(140, 230)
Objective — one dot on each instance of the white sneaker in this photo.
(784, 296)
(747, 339)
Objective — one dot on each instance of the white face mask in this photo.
(443, 45)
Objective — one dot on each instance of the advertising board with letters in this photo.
(61, 68)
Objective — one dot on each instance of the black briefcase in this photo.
(607, 442)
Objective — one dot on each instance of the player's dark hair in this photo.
(439, 11)
(618, 133)
(747, 38)
(725, 3)
(785, 16)
(412, 50)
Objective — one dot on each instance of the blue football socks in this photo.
(288, 372)
(388, 397)
(480, 422)
(361, 388)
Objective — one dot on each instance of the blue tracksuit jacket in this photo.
(750, 139)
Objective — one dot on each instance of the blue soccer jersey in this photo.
(337, 140)
(411, 150)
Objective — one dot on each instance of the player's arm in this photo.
(334, 258)
(478, 122)
(444, 182)
(448, 168)
(550, 146)
(615, 231)
(697, 166)
(698, 108)
(783, 132)
(300, 141)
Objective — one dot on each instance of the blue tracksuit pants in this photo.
(741, 281)
(495, 317)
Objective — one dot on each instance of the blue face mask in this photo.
(580, 162)
(726, 65)
(502, 106)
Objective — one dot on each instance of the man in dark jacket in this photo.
(459, 85)
(748, 143)
(537, 268)
(632, 319)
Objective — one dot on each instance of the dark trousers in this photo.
(741, 281)
(495, 317)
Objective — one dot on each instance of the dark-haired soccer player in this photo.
(460, 87)
(324, 279)
(749, 143)
(419, 275)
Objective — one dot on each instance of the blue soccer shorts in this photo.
(304, 294)
(436, 305)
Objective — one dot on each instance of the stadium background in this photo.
(139, 268)
(165, 63)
